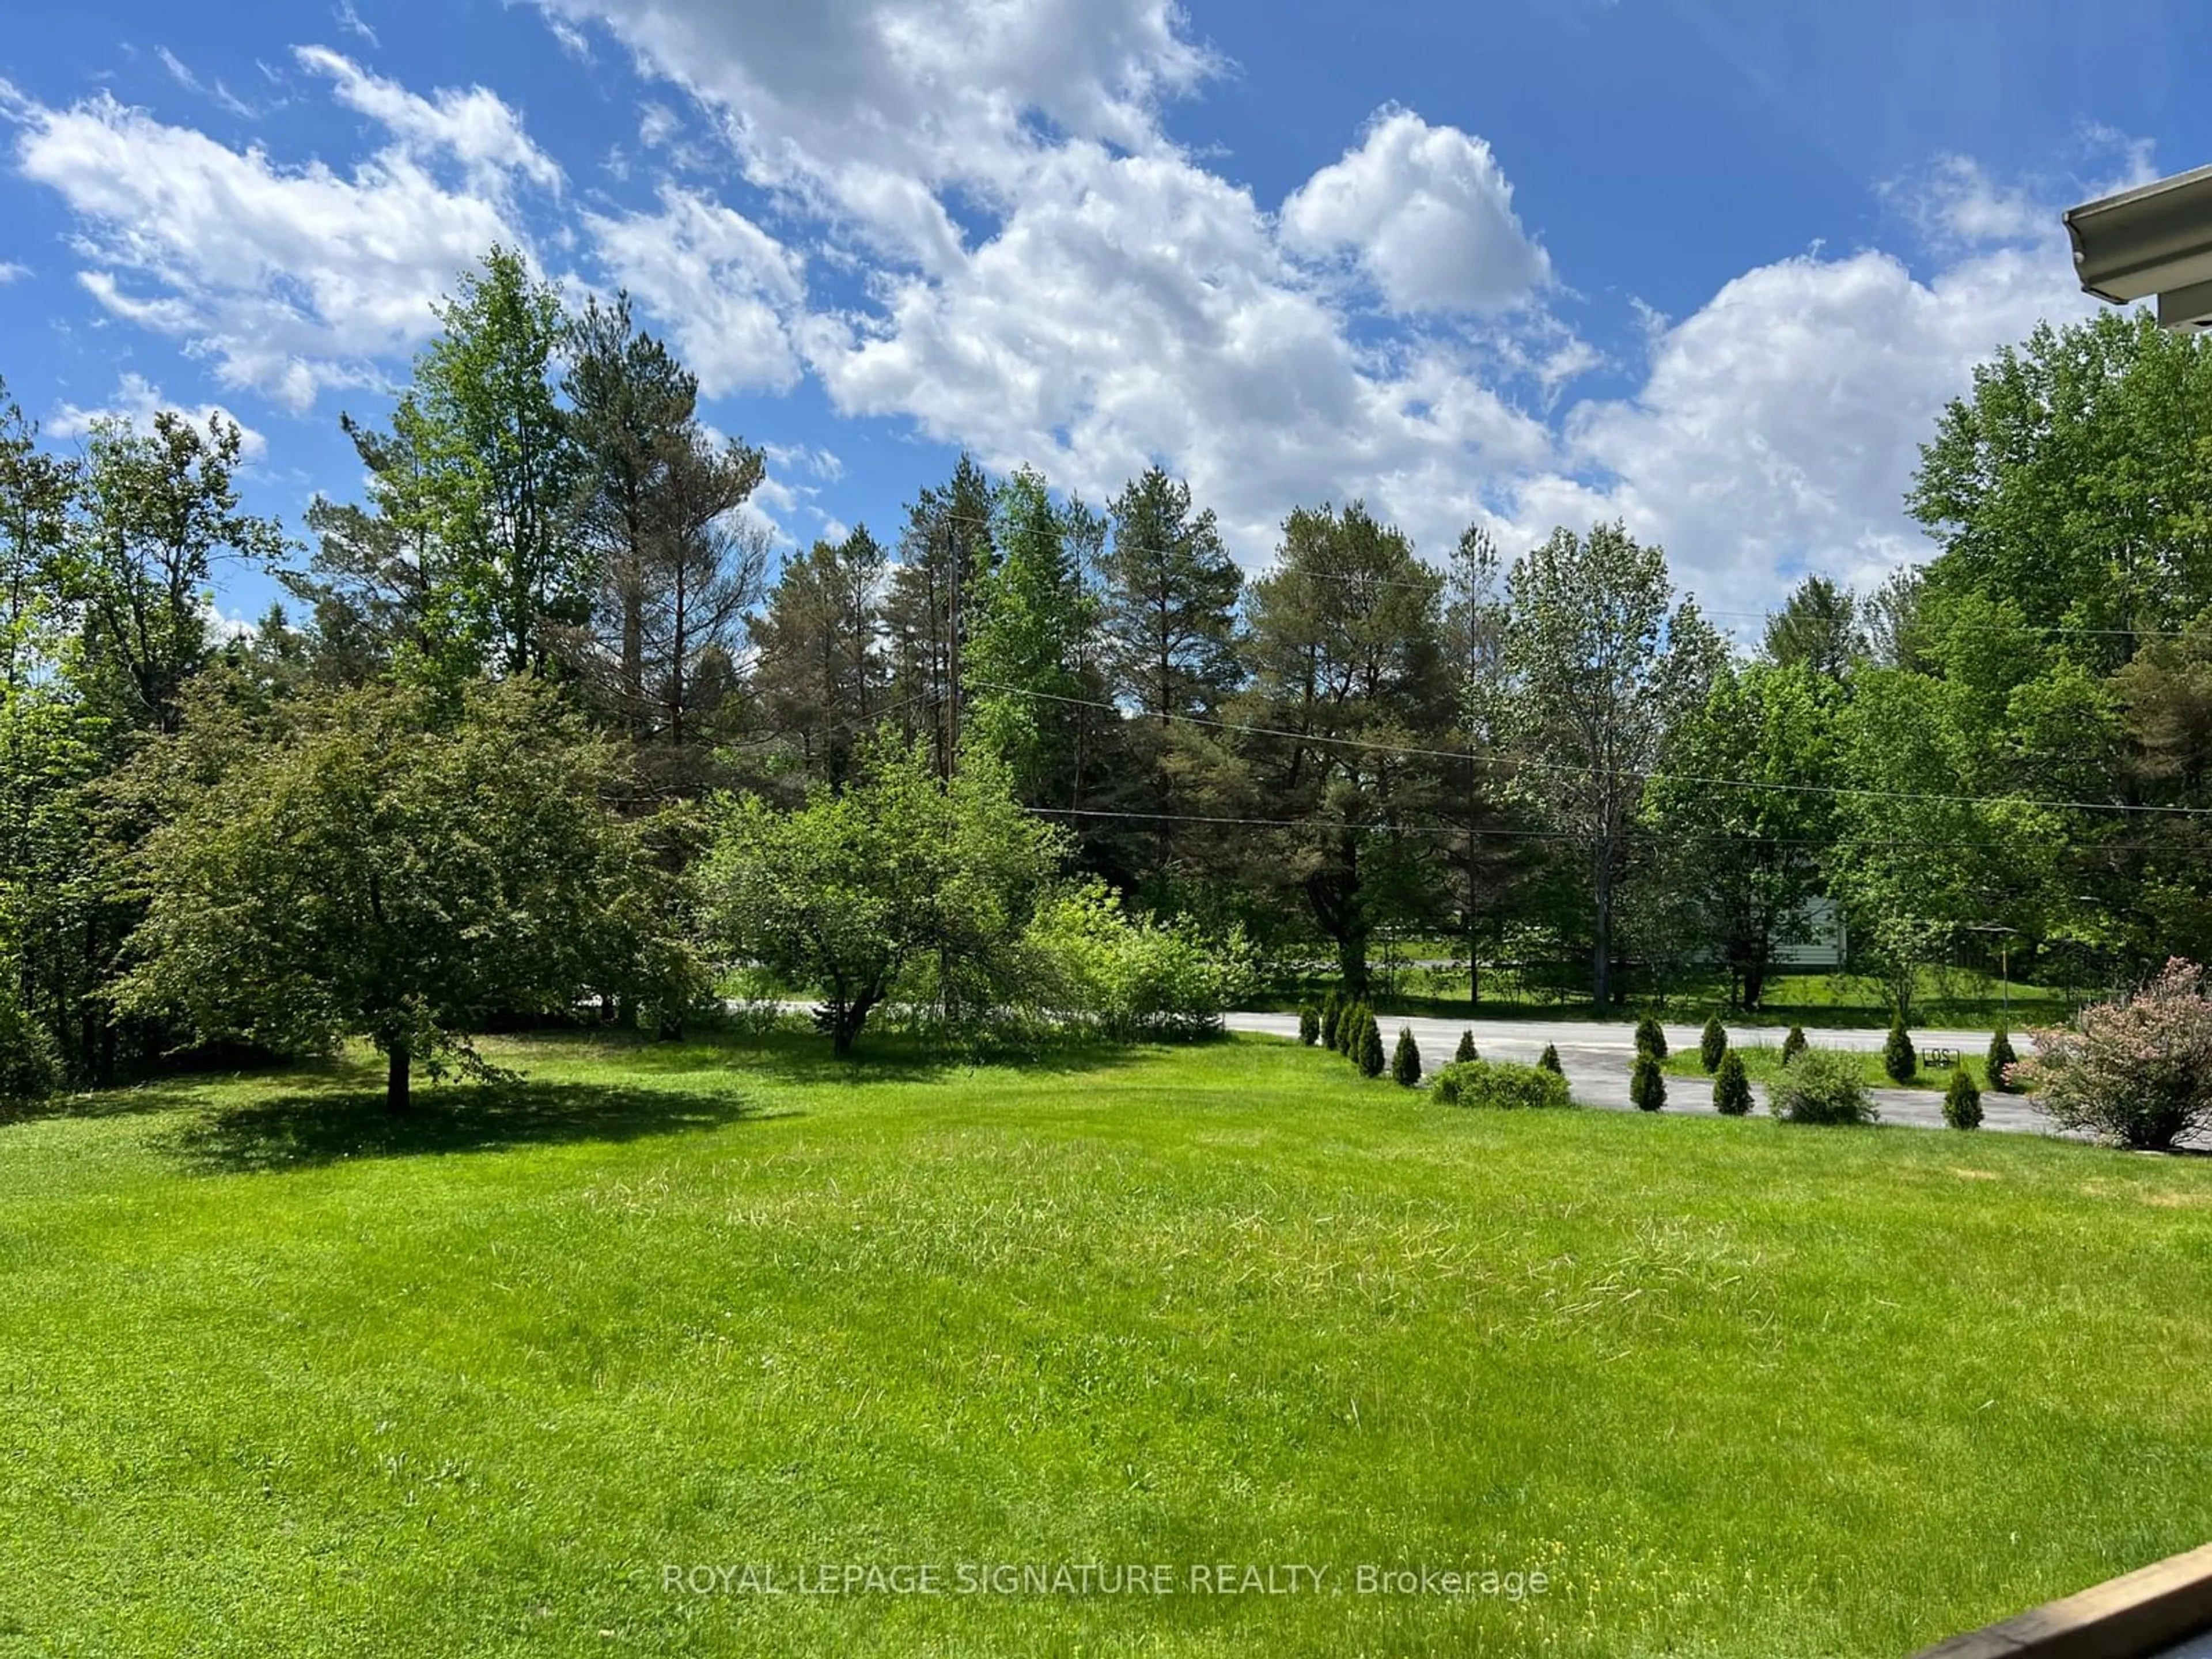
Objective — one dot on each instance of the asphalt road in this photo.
(1596, 1060)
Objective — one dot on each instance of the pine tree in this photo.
(1549, 1059)
(1897, 1058)
(819, 668)
(1465, 1049)
(1794, 1044)
(1370, 1047)
(1308, 1026)
(945, 553)
(1650, 1037)
(1712, 1044)
(1731, 1088)
(1406, 1062)
(2002, 1055)
(1962, 1101)
(1646, 1086)
(1332, 1015)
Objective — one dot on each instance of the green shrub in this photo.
(1712, 1044)
(1821, 1086)
(1549, 1059)
(1794, 1044)
(1308, 1026)
(1647, 1085)
(1897, 1059)
(1135, 975)
(1500, 1083)
(2001, 1056)
(30, 1066)
(1731, 1088)
(1406, 1060)
(1465, 1052)
(1331, 1013)
(1370, 1047)
(1650, 1037)
(1350, 1029)
(2138, 1070)
(1962, 1101)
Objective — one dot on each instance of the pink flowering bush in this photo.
(2137, 1071)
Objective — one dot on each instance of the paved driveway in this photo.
(1596, 1060)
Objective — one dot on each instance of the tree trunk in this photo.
(633, 654)
(397, 1100)
(1351, 956)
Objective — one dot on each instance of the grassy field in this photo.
(1952, 999)
(1762, 1063)
(284, 1377)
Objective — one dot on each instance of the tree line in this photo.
(549, 656)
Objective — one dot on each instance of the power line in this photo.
(1832, 791)
(1514, 834)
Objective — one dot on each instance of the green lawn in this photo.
(1953, 999)
(282, 1378)
(1762, 1063)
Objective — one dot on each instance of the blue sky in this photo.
(1709, 265)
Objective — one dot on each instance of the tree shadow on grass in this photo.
(310, 1128)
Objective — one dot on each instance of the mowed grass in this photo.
(1762, 1063)
(1950, 998)
(282, 1378)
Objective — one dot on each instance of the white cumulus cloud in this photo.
(1429, 215)
(720, 284)
(287, 278)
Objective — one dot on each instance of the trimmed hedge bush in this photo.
(1500, 1083)
(1650, 1037)
(1371, 1046)
(1822, 1086)
(1899, 1061)
(1465, 1052)
(1794, 1044)
(1405, 1062)
(2002, 1055)
(1962, 1101)
(1647, 1085)
(1731, 1088)
(1332, 1015)
(1308, 1026)
(1712, 1044)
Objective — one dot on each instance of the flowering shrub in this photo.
(2136, 1071)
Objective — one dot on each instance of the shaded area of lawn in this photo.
(295, 1130)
